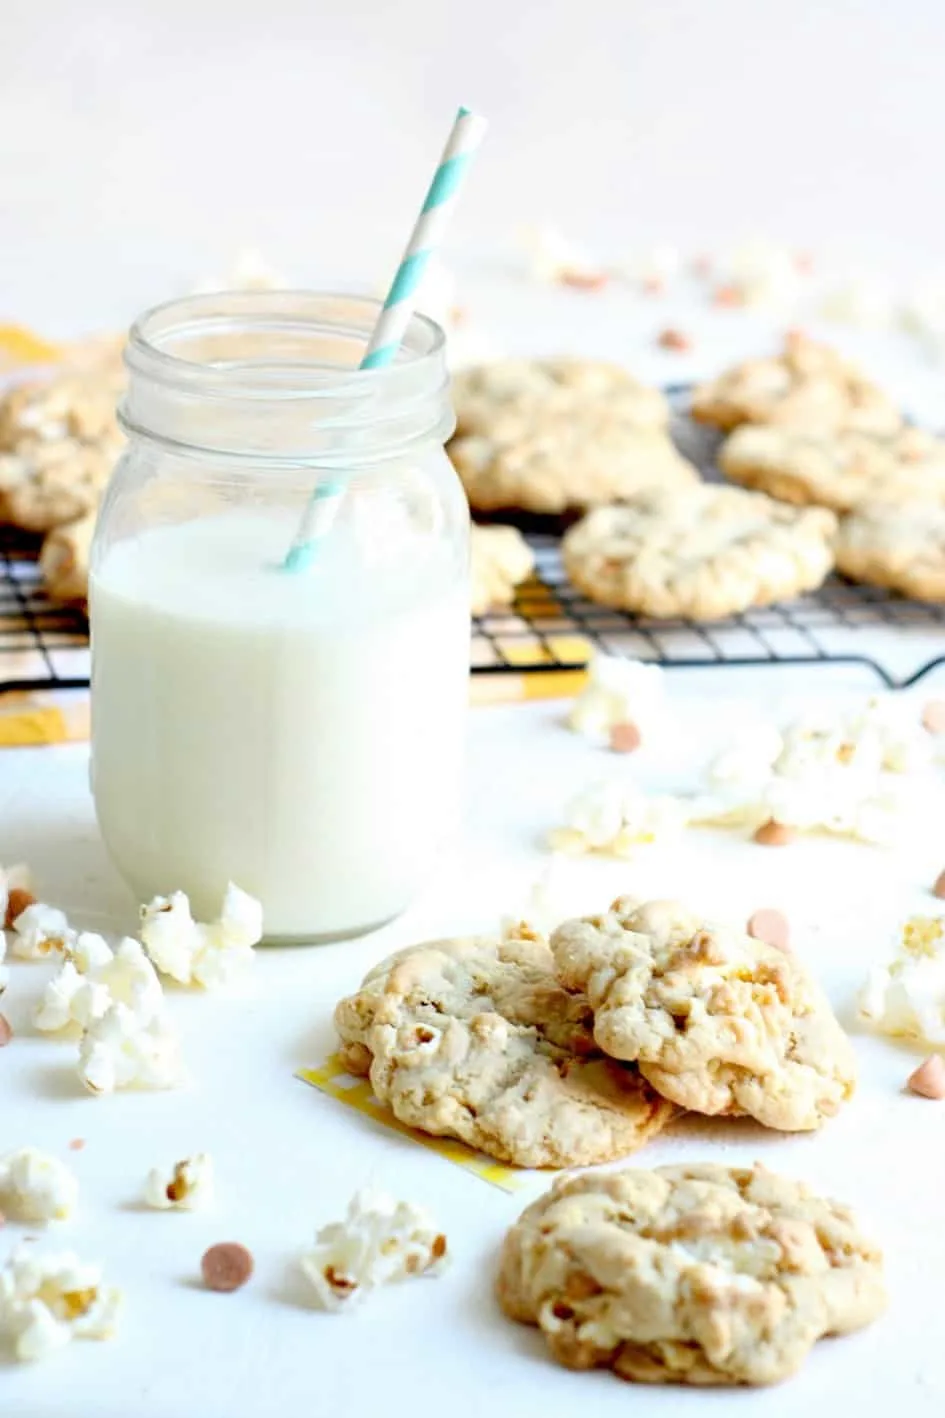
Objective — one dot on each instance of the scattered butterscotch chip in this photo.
(933, 716)
(625, 737)
(226, 1266)
(775, 834)
(6, 1031)
(727, 296)
(670, 339)
(77, 1144)
(17, 902)
(770, 926)
(928, 1081)
(701, 266)
(804, 262)
(583, 280)
(938, 886)
(654, 285)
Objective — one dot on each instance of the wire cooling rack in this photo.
(42, 646)
(551, 627)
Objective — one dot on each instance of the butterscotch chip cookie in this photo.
(717, 1021)
(808, 385)
(693, 1274)
(545, 436)
(59, 440)
(902, 548)
(64, 560)
(838, 470)
(702, 551)
(475, 1039)
(501, 560)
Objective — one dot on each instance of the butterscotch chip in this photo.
(670, 339)
(770, 926)
(775, 834)
(938, 886)
(928, 1081)
(77, 1144)
(6, 1031)
(17, 902)
(584, 280)
(933, 716)
(625, 737)
(226, 1266)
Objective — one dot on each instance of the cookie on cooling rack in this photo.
(501, 560)
(704, 552)
(899, 547)
(840, 470)
(545, 436)
(59, 440)
(64, 560)
(809, 385)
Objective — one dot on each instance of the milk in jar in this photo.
(301, 734)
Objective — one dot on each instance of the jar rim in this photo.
(206, 312)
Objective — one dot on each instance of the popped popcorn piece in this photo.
(761, 272)
(380, 1241)
(188, 1186)
(92, 978)
(862, 301)
(614, 818)
(928, 1080)
(35, 1186)
(539, 914)
(117, 1051)
(906, 997)
(16, 882)
(857, 773)
(48, 1300)
(39, 930)
(553, 259)
(618, 691)
(196, 954)
(923, 316)
(226, 1267)
(654, 267)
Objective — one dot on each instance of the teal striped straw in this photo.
(397, 311)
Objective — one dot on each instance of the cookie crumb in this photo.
(775, 834)
(583, 280)
(77, 1144)
(727, 296)
(6, 1031)
(933, 716)
(226, 1267)
(938, 886)
(770, 926)
(928, 1081)
(625, 737)
(17, 902)
(670, 339)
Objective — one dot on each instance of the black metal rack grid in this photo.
(551, 627)
(42, 645)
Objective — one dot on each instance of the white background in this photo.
(144, 140)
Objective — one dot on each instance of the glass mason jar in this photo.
(300, 733)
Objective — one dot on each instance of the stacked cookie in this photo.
(59, 440)
(561, 438)
(579, 1049)
(809, 429)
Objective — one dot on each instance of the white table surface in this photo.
(289, 1157)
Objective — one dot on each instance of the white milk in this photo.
(297, 734)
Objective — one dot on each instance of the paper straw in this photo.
(425, 239)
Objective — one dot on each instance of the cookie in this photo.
(475, 1039)
(808, 385)
(51, 484)
(500, 560)
(546, 436)
(64, 560)
(694, 1274)
(704, 552)
(902, 548)
(717, 1021)
(837, 470)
